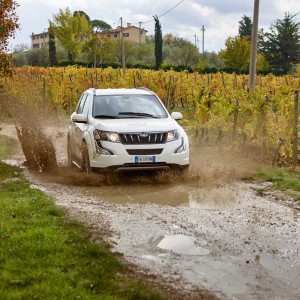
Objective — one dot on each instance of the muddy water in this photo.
(209, 169)
(202, 230)
(162, 194)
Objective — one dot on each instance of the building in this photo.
(131, 33)
(40, 39)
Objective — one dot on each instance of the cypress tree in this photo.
(158, 43)
(52, 48)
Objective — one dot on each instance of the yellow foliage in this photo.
(212, 101)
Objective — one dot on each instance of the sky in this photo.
(220, 18)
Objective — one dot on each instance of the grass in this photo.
(282, 178)
(45, 255)
(7, 146)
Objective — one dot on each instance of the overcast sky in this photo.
(219, 17)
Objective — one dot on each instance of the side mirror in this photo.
(176, 115)
(79, 118)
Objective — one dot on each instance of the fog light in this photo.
(104, 151)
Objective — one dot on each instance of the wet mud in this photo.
(201, 230)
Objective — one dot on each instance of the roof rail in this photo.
(144, 88)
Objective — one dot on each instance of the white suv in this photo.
(125, 129)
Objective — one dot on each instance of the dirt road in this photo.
(205, 230)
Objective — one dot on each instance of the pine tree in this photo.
(245, 27)
(281, 45)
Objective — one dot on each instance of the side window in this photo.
(78, 103)
(86, 105)
(81, 104)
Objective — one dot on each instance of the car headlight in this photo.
(173, 135)
(106, 136)
(182, 147)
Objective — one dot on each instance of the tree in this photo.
(262, 64)
(281, 45)
(237, 53)
(130, 48)
(100, 25)
(9, 24)
(52, 48)
(245, 27)
(185, 53)
(101, 47)
(81, 13)
(72, 32)
(38, 57)
(158, 42)
(145, 54)
(169, 39)
(208, 60)
(20, 48)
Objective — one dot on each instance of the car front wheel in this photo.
(85, 161)
(70, 154)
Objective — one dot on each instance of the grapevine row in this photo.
(218, 106)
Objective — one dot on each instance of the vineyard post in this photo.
(92, 80)
(264, 124)
(44, 95)
(168, 94)
(235, 118)
(235, 80)
(223, 80)
(295, 127)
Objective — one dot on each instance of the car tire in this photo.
(85, 160)
(70, 154)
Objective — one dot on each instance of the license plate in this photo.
(143, 159)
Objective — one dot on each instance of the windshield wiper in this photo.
(137, 114)
(106, 117)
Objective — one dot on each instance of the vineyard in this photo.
(217, 107)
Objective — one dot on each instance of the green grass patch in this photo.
(7, 147)
(45, 255)
(282, 178)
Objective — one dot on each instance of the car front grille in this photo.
(144, 151)
(143, 138)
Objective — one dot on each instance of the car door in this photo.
(79, 128)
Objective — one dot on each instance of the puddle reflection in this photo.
(181, 244)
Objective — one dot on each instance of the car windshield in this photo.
(128, 106)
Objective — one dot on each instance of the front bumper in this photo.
(122, 160)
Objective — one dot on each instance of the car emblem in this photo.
(143, 135)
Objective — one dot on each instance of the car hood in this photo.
(135, 124)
